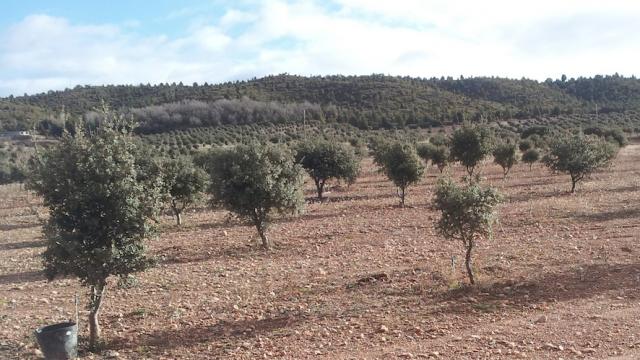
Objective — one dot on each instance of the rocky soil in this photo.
(357, 277)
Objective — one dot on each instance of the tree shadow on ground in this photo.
(579, 282)
(524, 197)
(180, 255)
(373, 181)
(174, 255)
(632, 170)
(306, 217)
(22, 245)
(545, 180)
(619, 214)
(22, 277)
(624, 189)
(225, 332)
(332, 199)
(225, 224)
(9, 227)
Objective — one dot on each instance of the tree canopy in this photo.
(401, 164)
(579, 156)
(256, 182)
(470, 144)
(99, 209)
(504, 154)
(325, 160)
(531, 156)
(467, 214)
(184, 184)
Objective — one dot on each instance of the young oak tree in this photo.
(467, 214)
(184, 184)
(437, 154)
(504, 154)
(470, 145)
(525, 145)
(530, 156)
(440, 157)
(99, 208)
(379, 148)
(438, 140)
(254, 182)
(402, 165)
(579, 156)
(424, 150)
(325, 160)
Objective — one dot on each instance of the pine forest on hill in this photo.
(365, 102)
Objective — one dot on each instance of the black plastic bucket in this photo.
(59, 341)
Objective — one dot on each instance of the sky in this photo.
(53, 45)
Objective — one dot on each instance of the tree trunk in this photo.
(470, 170)
(97, 294)
(402, 195)
(177, 212)
(259, 223)
(573, 185)
(530, 165)
(319, 193)
(467, 261)
(319, 187)
(265, 240)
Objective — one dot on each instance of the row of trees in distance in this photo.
(105, 192)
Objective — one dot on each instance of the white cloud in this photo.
(235, 17)
(403, 37)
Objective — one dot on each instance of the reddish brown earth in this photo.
(559, 279)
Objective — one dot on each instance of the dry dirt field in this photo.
(559, 279)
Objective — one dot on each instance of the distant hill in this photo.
(373, 101)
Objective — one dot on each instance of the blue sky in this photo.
(48, 45)
(163, 16)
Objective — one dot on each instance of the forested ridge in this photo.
(373, 101)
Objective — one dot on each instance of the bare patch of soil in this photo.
(357, 277)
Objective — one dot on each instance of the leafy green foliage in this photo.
(379, 147)
(530, 156)
(368, 102)
(401, 164)
(610, 92)
(440, 156)
(470, 144)
(504, 154)
(424, 150)
(439, 140)
(99, 210)
(184, 184)
(579, 156)
(542, 142)
(325, 160)
(254, 182)
(12, 165)
(467, 213)
(535, 130)
(525, 145)
(612, 135)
